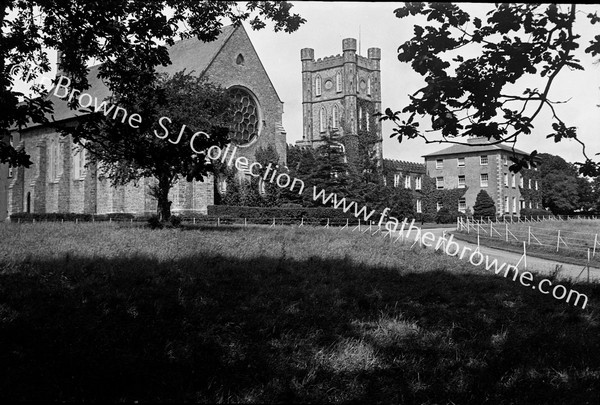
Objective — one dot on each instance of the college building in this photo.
(340, 94)
(482, 165)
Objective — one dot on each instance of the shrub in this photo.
(154, 222)
(175, 220)
(445, 216)
(484, 205)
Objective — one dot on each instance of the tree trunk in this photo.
(163, 207)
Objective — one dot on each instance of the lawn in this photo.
(576, 237)
(107, 313)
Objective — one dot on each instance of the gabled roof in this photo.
(476, 145)
(191, 54)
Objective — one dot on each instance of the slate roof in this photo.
(476, 145)
(190, 54)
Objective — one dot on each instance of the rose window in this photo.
(245, 120)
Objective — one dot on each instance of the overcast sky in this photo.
(328, 23)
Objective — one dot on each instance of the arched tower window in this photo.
(318, 86)
(360, 115)
(240, 60)
(338, 82)
(335, 116)
(322, 119)
(368, 118)
(369, 86)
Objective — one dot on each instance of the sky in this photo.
(328, 23)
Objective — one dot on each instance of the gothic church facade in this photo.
(61, 179)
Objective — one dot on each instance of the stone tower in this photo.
(340, 94)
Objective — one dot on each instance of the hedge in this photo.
(532, 212)
(297, 213)
(69, 216)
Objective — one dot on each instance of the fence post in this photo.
(525, 254)
(529, 235)
(588, 265)
(218, 221)
(595, 243)
(506, 230)
(491, 230)
(558, 240)
(194, 220)
(245, 222)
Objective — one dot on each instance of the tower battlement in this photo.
(340, 94)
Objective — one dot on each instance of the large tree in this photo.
(487, 95)
(560, 184)
(129, 38)
(180, 117)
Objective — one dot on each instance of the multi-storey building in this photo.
(484, 166)
(340, 94)
(408, 175)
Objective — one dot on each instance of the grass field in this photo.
(108, 313)
(577, 236)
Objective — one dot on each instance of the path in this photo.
(534, 264)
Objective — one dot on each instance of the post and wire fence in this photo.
(545, 234)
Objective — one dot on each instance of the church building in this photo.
(61, 180)
(340, 94)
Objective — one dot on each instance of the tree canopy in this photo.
(485, 95)
(180, 118)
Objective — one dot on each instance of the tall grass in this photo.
(276, 315)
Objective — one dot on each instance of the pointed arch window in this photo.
(79, 163)
(322, 119)
(360, 116)
(54, 160)
(367, 120)
(240, 60)
(10, 168)
(338, 82)
(335, 116)
(318, 86)
(369, 86)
